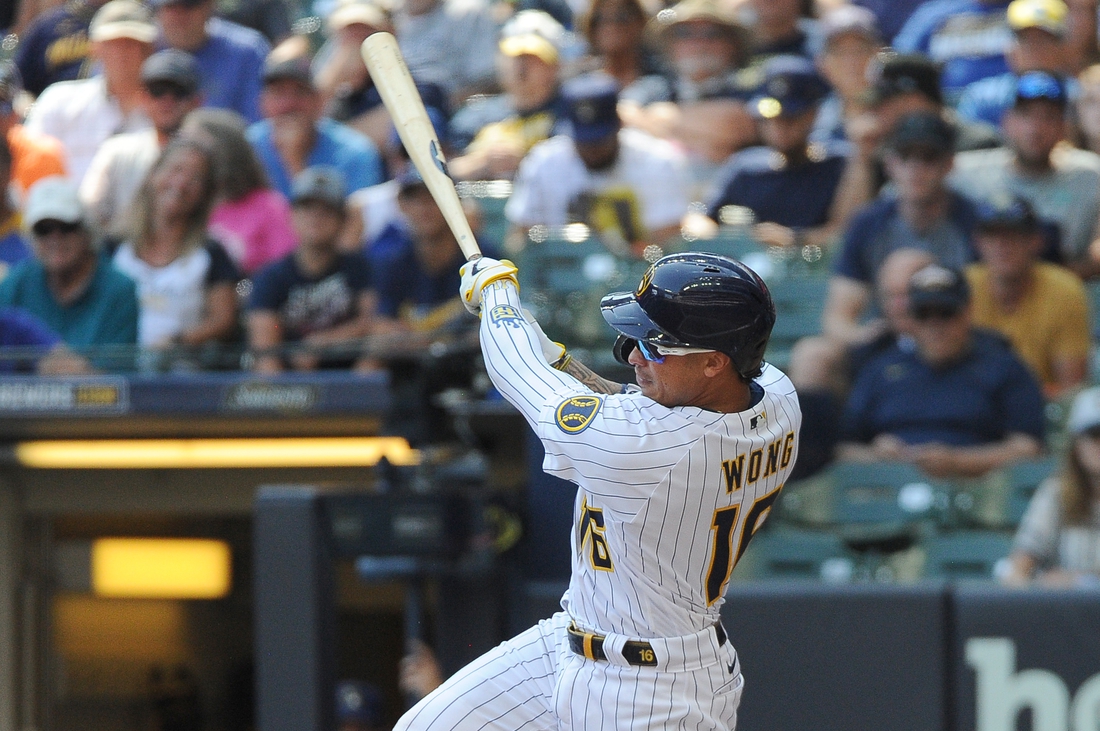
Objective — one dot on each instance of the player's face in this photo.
(675, 381)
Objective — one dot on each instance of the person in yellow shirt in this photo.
(1041, 308)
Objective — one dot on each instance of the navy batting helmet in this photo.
(697, 300)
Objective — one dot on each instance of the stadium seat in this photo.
(789, 553)
(1000, 499)
(880, 502)
(965, 554)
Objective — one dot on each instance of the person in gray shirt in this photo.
(1061, 183)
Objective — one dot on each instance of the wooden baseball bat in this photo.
(395, 84)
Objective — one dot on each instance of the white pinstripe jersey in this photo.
(668, 498)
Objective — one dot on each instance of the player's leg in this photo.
(594, 695)
(510, 687)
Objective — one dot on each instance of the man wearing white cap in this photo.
(84, 113)
(66, 285)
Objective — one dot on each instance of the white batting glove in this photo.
(480, 273)
(552, 351)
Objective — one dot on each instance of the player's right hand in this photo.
(480, 273)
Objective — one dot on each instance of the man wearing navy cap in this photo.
(1062, 184)
(629, 188)
(171, 83)
(1041, 308)
(958, 404)
(789, 183)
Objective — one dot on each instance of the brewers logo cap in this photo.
(591, 104)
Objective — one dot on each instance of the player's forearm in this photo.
(513, 355)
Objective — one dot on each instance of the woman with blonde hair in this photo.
(1058, 541)
(186, 282)
(250, 218)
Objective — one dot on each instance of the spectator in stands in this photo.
(900, 85)
(312, 308)
(850, 41)
(82, 114)
(34, 156)
(958, 404)
(788, 167)
(56, 46)
(250, 219)
(230, 56)
(1038, 44)
(28, 346)
(968, 38)
(701, 106)
(413, 267)
(170, 80)
(293, 135)
(1061, 183)
(451, 43)
(13, 248)
(494, 133)
(822, 366)
(68, 285)
(629, 188)
(342, 78)
(1042, 309)
(1086, 110)
(186, 282)
(615, 34)
(779, 28)
(918, 211)
(1056, 543)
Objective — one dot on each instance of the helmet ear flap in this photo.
(622, 348)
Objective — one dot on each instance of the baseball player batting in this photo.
(674, 477)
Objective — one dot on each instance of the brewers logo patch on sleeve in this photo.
(505, 315)
(576, 413)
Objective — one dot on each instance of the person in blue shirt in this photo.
(414, 270)
(230, 56)
(968, 38)
(294, 135)
(67, 285)
(789, 182)
(958, 403)
(1039, 44)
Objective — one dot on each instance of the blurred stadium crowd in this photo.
(204, 185)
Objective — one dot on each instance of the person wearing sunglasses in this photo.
(1058, 541)
(957, 402)
(67, 285)
(674, 476)
(171, 87)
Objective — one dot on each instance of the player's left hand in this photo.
(480, 273)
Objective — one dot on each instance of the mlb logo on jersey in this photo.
(505, 315)
(575, 414)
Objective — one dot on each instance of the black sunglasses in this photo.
(157, 89)
(936, 313)
(49, 226)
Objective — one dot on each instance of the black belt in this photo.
(635, 652)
